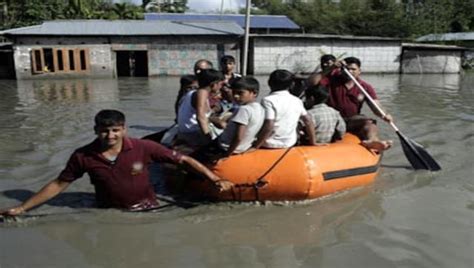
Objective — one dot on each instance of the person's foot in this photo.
(378, 146)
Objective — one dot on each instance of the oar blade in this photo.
(418, 157)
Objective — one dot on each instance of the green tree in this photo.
(165, 6)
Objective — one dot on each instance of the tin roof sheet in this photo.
(464, 36)
(128, 28)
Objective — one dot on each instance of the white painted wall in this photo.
(302, 54)
(431, 61)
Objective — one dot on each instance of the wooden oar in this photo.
(418, 157)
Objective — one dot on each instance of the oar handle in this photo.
(368, 97)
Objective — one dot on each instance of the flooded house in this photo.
(462, 44)
(101, 48)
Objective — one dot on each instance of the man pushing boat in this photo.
(118, 168)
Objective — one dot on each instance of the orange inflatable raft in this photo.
(297, 173)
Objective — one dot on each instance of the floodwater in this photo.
(406, 218)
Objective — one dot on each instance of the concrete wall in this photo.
(431, 61)
(166, 55)
(102, 63)
(302, 54)
(179, 59)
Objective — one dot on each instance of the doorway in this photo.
(132, 63)
(7, 63)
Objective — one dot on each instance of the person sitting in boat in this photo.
(282, 113)
(347, 98)
(118, 168)
(187, 83)
(227, 103)
(245, 124)
(319, 78)
(228, 66)
(221, 102)
(194, 127)
(202, 64)
(329, 125)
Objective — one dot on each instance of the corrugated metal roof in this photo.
(326, 36)
(128, 28)
(256, 21)
(431, 46)
(465, 36)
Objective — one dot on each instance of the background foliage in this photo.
(390, 18)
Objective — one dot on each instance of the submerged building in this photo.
(156, 46)
(100, 48)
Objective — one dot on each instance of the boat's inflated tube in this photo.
(297, 173)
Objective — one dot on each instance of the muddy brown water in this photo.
(406, 218)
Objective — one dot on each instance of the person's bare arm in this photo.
(314, 79)
(238, 137)
(201, 111)
(264, 132)
(309, 127)
(221, 184)
(49, 191)
(387, 118)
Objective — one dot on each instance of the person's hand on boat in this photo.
(223, 185)
(14, 211)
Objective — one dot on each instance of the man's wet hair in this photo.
(109, 118)
(198, 69)
(326, 58)
(280, 80)
(352, 60)
(248, 83)
(209, 76)
(319, 93)
(227, 59)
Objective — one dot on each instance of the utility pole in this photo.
(246, 37)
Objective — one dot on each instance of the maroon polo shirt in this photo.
(123, 183)
(348, 101)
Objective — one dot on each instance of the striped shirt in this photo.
(328, 122)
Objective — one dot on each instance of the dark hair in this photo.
(227, 59)
(280, 80)
(109, 118)
(352, 60)
(198, 69)
(247, 82)
(319, 93)
(186, 80)
(326, 58)
(209, 76)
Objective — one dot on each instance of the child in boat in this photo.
(329, 125)
(282, 113)
(228, 67)
(244, 125)
(194, 127)
(320, 78)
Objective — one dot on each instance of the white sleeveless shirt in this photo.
(187, 117)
